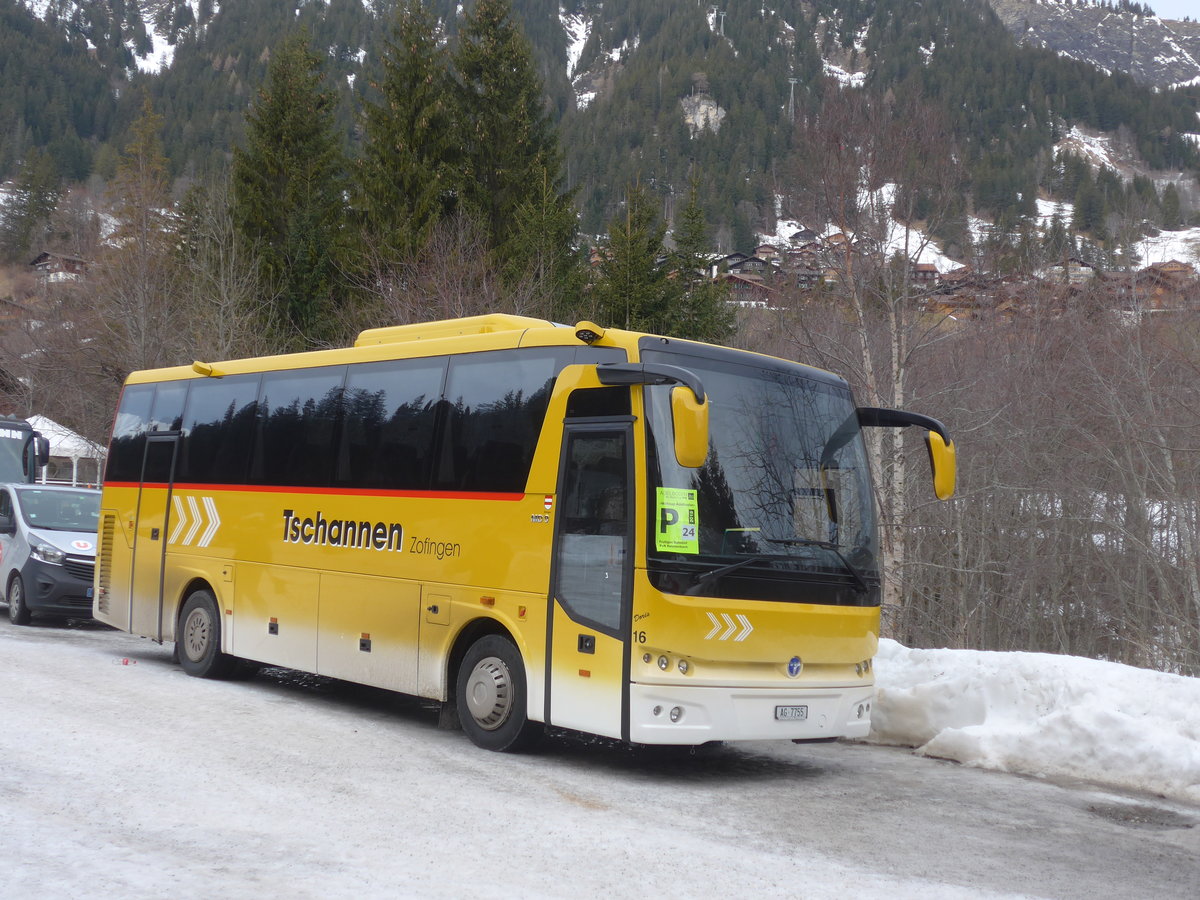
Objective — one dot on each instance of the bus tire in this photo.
(198, 638)
(492, 698)
(18, 612)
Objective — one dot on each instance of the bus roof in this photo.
(472, 334)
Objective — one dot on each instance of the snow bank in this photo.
(1041, 714)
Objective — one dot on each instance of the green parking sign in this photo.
(677, 522)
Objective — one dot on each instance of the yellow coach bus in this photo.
(628, 535)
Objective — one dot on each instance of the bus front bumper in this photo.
(682, 714)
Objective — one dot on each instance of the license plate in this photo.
(791, 712)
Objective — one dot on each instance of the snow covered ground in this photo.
(123, 777)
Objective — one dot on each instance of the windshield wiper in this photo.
(832, 548)
(704, 579)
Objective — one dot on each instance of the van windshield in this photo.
(60, 510)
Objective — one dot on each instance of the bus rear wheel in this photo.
(492, 697)
(198, 638)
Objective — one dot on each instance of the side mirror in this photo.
(43, 450)
(689, 418)
(943, 461)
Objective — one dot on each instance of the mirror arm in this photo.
(649, 373)
(878, 417)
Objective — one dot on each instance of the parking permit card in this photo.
(677, 520)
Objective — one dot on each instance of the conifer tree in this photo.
(634, 291)
(288, 184)
(30, 205)
(542, 253)
(407, 175)
(1172, 217)
(702, 311)
(506, 132)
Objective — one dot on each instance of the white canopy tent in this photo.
(73, 458)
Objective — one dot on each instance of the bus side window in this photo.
(128, 443)
(497, 403)
(218, 425)
(300, 410)
(389, 415)
(167, 414)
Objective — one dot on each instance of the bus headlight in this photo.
(46, 553)
(663, 663)
(676, 713)
(683, 667)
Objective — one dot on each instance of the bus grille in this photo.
(108, 526)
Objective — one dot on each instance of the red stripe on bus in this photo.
(349, 492)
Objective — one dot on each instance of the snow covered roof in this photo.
(64, 441)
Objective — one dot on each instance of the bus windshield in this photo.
(782, 507)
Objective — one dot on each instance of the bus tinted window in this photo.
(129, 434)
(300, 413)
(218, 430)
(167, 412)
(497, 402)
(390, 414)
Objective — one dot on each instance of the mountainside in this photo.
(661, 92)
(1152, 50)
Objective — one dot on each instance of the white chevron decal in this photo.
(716, 623)
(724, 627)
(188, 515)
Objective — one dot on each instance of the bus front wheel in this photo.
(492, 697)
(198, 638)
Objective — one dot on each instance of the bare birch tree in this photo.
(872, 173)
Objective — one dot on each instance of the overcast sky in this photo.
(1175, 9)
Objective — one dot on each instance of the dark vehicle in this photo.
(23, 451)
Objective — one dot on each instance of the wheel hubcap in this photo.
(197, 632)
(489, 693)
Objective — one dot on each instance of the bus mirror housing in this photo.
(689, 418)
(689, 405)
(943, 458)
(944, 464)
(36, 454)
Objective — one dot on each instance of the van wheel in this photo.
(492, 697)
(198, 638)
(18, 612)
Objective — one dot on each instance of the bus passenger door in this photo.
(591, 580)
(150, 539)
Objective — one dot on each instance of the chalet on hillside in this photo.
(59, 266)
(769, 252)
(1159, 288)
(749, 290)
(803, 236)
(1173, 269)
(925, 273)
(751, 265)
(807, 277)
(1073, 271)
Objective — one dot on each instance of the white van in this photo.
(48, 549)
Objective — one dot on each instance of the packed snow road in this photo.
(122, 777)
